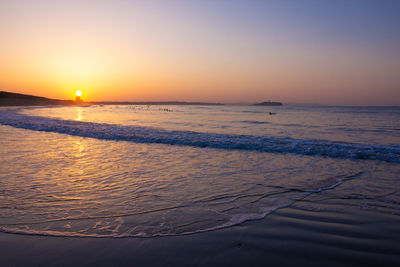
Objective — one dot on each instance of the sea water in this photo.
(146, 171)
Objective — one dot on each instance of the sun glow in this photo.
(78, 93)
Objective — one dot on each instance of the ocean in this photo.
(137, 171)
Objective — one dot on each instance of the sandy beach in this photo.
(292, 236)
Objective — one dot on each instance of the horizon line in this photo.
(198, 102)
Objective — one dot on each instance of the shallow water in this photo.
(137, 171)
(361, 125)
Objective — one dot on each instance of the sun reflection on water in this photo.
(79, 114)
(80, 146)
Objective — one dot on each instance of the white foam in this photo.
(389, 153)
(234, 220)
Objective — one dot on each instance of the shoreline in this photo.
(355, 223)
(290, 236)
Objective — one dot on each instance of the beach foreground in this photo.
(290, 236)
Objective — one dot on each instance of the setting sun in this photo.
(78, 93)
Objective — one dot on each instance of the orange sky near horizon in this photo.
(158, 51)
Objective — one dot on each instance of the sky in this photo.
(333, 52)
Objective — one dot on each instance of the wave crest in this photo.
(196, 139)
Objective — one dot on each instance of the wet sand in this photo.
(301, 235)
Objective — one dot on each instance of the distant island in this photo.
(268, 103)
(15, 99)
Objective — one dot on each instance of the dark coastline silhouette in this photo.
(15, 99)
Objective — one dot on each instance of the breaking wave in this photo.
(388, 153)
